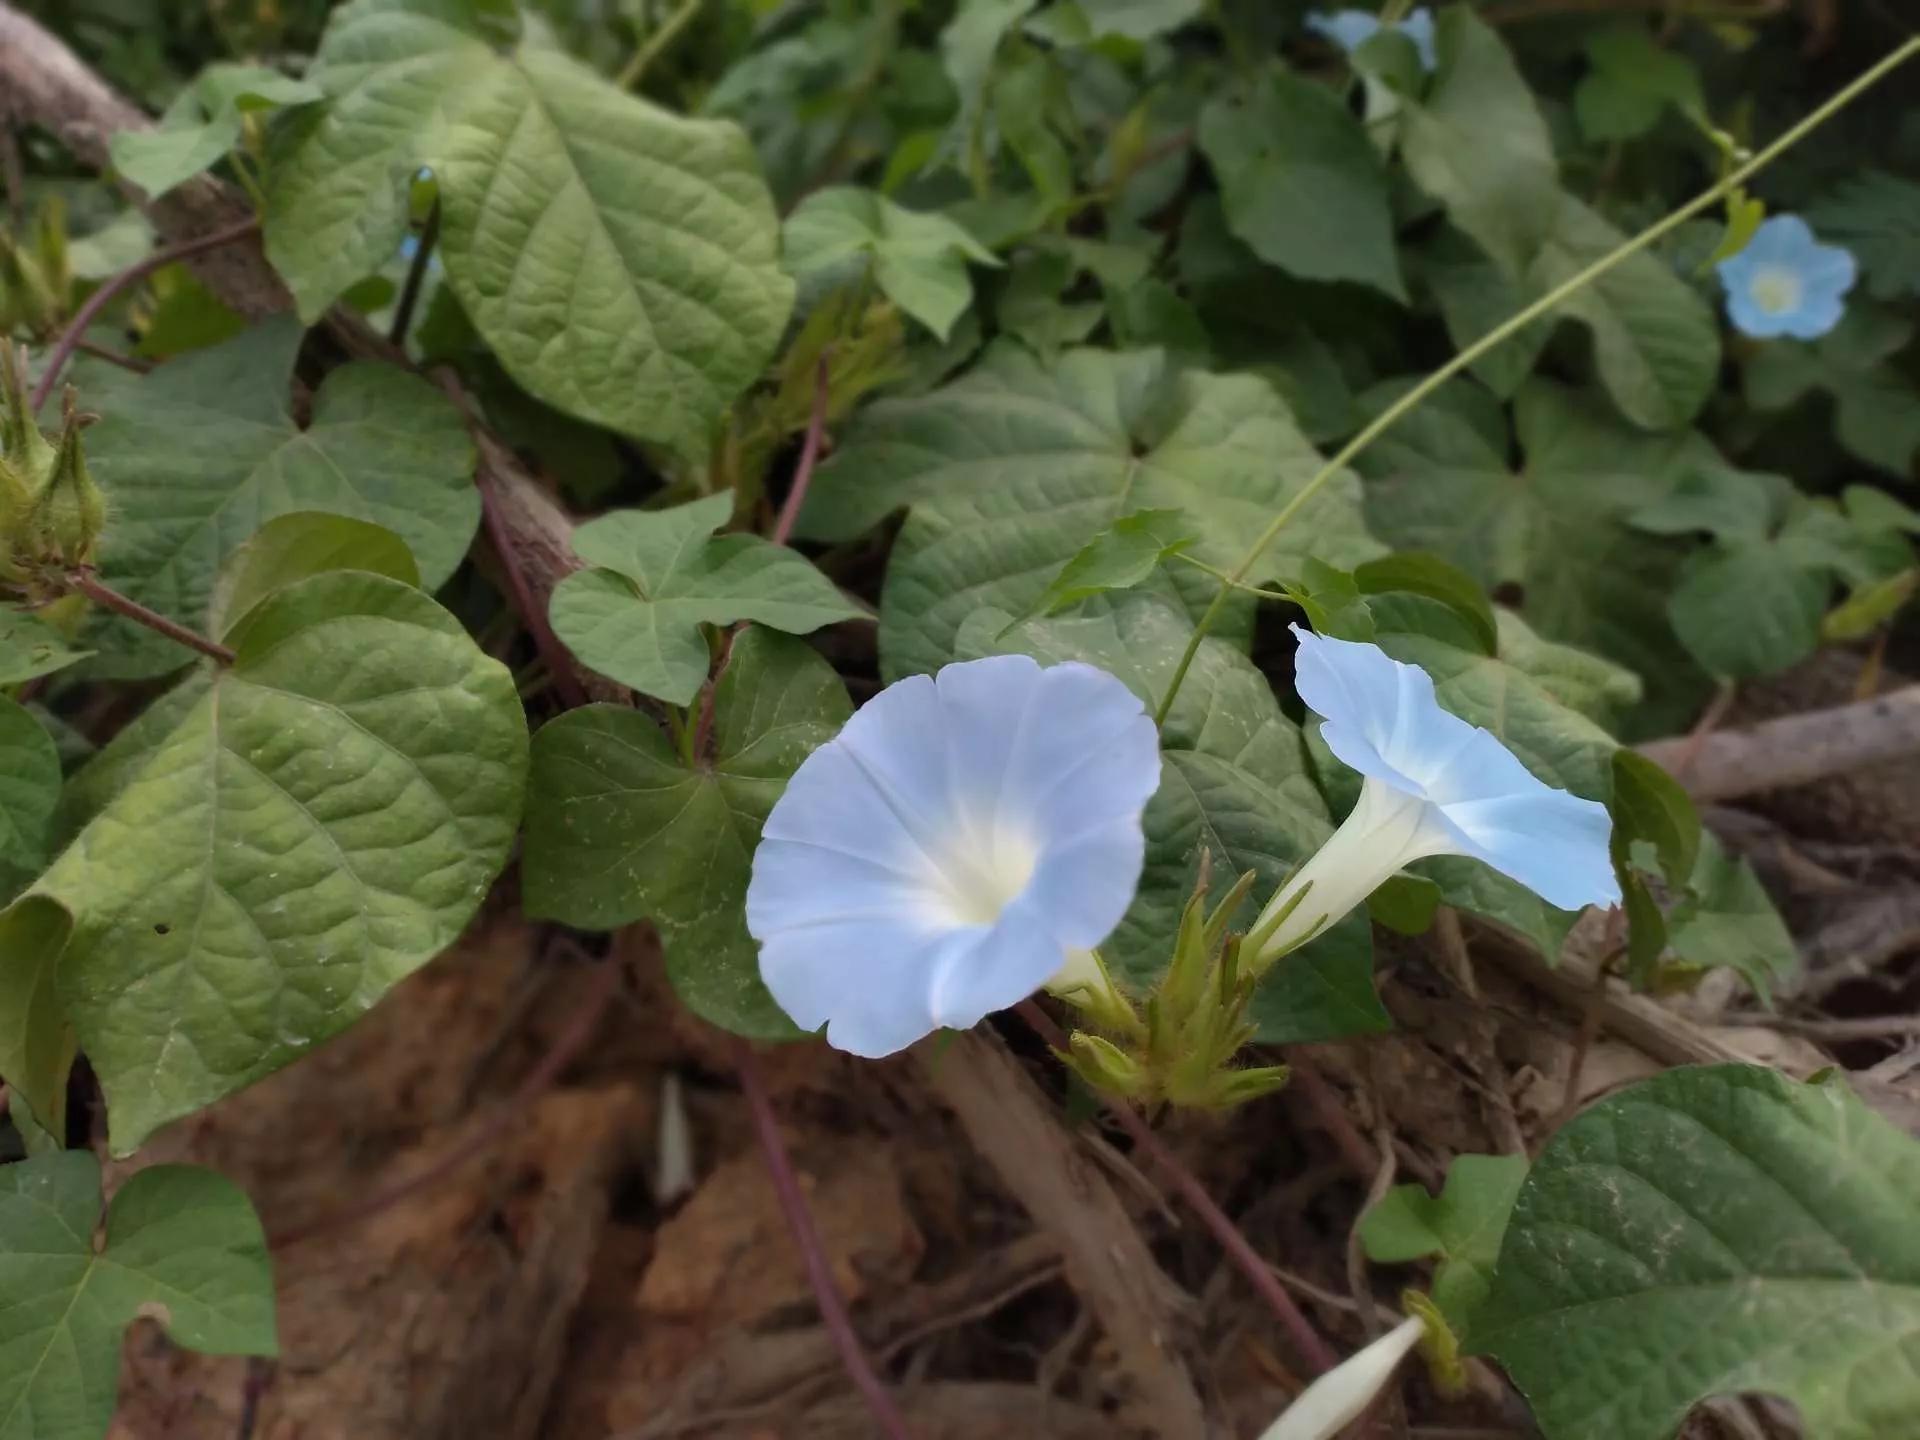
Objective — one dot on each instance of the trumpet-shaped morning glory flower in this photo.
(1434, 785)
(961, 842)
(1787, 283)
(1350, 29)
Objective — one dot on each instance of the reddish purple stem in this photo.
(833, 1308)
(1306, 1340)
(90, 309)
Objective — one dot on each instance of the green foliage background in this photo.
(1084, 291)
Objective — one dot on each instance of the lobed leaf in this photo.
(1463, 1225)
(205, 450)
(661, 577)
(1014, 468)
(919, 261)
(182, 1246)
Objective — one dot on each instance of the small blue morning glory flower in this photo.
(1787, 283)
(1350, 29)
(963, 841)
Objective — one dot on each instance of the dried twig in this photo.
(1108, 1263)
(1795, 749)
(1861, 1027)
(1332, 1114)
(1313, 1350)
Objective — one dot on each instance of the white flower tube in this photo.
(1337, 1398)
(963, 841)
(1435, 785)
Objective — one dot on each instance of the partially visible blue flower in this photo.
(1435, 785)
(1350, 29)
(1786, 282)
(963, 841)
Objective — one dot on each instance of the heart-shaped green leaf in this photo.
(199, 454)
(660, 576)
(621, 261)
(182, 1246)
(1714, 1231)
(1017, 466)
(322, 820)
(621, 829)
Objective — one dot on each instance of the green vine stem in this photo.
(1518, 322)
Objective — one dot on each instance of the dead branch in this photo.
(1108, 1263)
(1796, 749)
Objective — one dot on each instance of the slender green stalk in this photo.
(1225, 578)
(657, 44)
(1543, 306)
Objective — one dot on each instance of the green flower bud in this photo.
(1105, 1066)
(51, 511)
(72, 510)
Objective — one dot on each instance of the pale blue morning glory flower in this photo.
(1350, 29)
(1435, 785)
(963, 841)
(1787, 283)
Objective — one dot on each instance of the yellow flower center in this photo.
(1775, 289)
(985, 869)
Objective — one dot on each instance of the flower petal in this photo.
(1418, 27)
(1815, 316)
(1335, 1400)
(868, 981)
(1552, 842)
(1083, 887)
(1781, 240)
(996, 968)
(1349, 29)
(1749, 317)
(1831, 270)
(936, 859)
(1382, 717)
